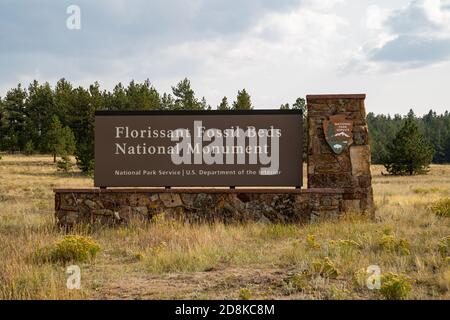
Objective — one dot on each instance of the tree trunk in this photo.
(54, 157)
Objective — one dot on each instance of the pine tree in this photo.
(409, 152)
(62, 99)
(60, 140)
(82, 110)
(204, 105)
(40, 107)
(52, 136)
(68, 144)
(65, 164)
(300, 104)
(14, 109)
(142, 96)
(167, 102)
(118, 99)
(447, 149)
(66, 148)
(223, 104)
(243, 101)
(185, 97)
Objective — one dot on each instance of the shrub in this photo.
(390, 243)
(300, 281)
(325, 268)
(245, 294)
(395, 286)
(360, 277)
(442, 208)
(444, 246)
(311, 242)
(64, 164)
(403, 247)
(409, 152)
(74, 248)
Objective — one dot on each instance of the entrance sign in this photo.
(338, 132)
(198, 148)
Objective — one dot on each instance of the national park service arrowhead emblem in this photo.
(338, 132)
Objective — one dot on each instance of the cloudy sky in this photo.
(397, 52)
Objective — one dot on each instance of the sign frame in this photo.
(267, 112)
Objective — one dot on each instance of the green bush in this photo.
(245, 294)
(360, 277)
(74, 248)
(325, 268)
(311, 242)
(442, 208)
(395, 286)
(390, 243)
(409, 152)
(64, 164)
(300, 281)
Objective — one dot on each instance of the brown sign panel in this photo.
(198, 148)
(338, 132)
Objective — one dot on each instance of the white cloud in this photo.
(281, 46)
(415, 35)
(323, 4)
(303, 35)
(376, 17)
(438, 12)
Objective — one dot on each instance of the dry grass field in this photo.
(164, 260)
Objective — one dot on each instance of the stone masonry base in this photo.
(119, 206)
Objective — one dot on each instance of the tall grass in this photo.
(169, 260)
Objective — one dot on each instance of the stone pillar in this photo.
(350, 169)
